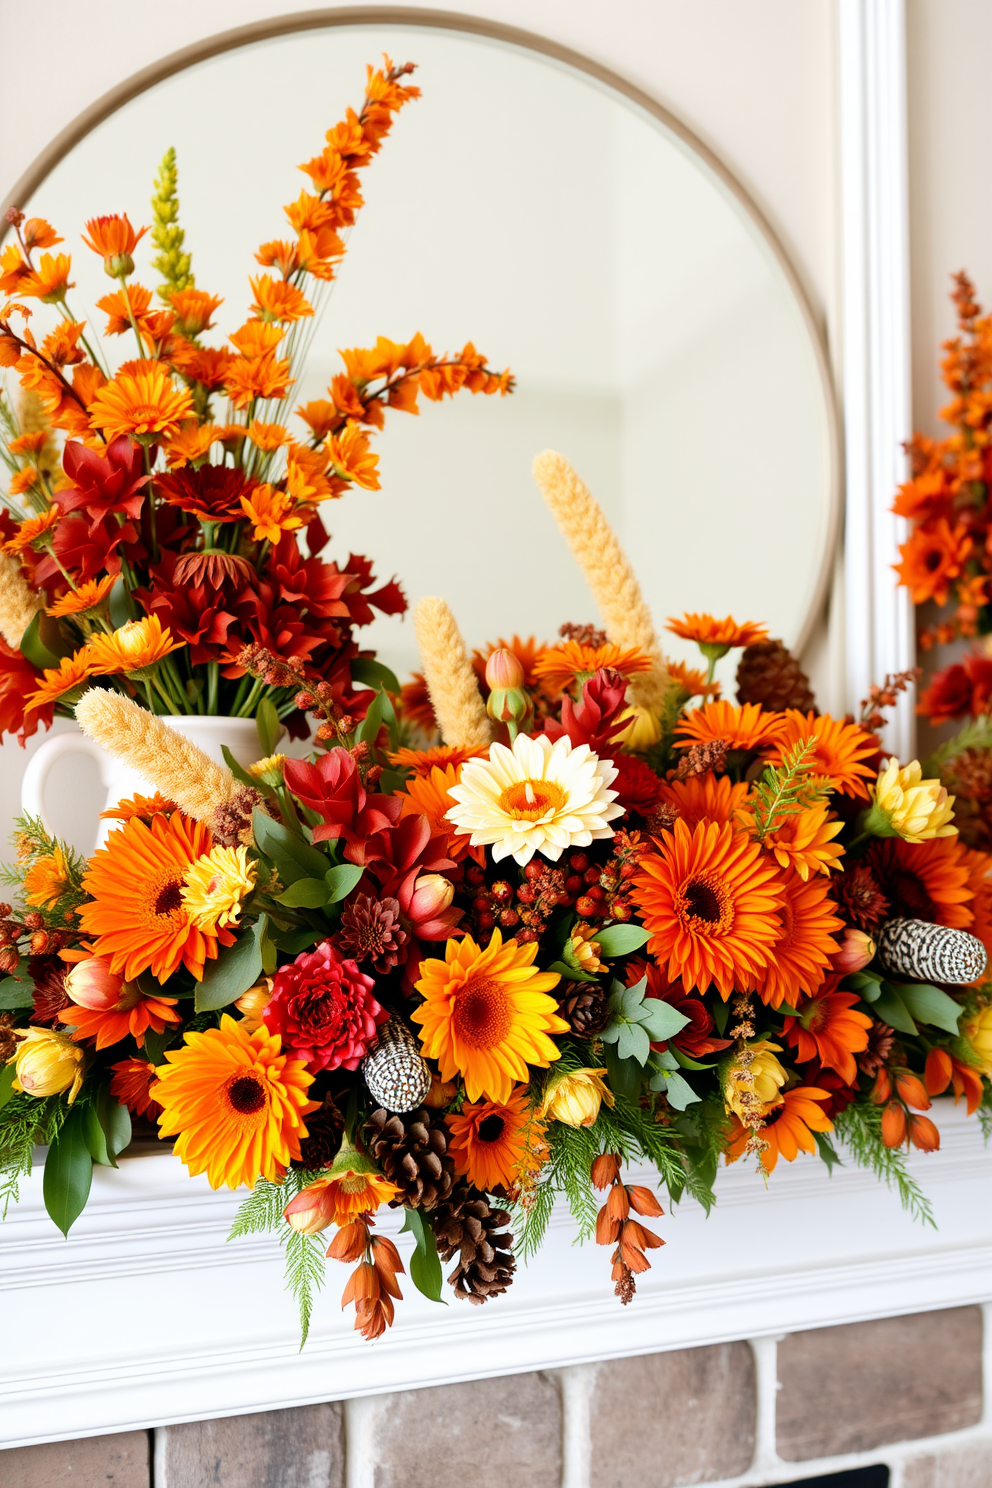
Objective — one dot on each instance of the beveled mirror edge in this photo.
(318, 20)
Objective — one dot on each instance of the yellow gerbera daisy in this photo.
(132, 646)
(486, 1015)
(216, 885)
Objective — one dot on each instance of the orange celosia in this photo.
(830, 1029)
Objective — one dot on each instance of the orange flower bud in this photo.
(923, 1134)
(607, 1228)
(856, 950)
(312, 1210)
(349, 1242)
(93, 984)
(362, 1285)
(503, 670)
(432, 894)
(893, 1125)
(605, 1169)
(938, 1072)
(387, 1257)
(617, 1202)
(643, 1201)
(882, 1088)
(910, 1088)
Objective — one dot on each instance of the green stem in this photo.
(213, 686)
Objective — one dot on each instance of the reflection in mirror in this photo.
(655, 336)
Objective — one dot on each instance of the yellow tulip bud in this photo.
(978, 1032)
(907, 806)
(760, 1075)
(643, 730)
(48, 1063)
(574, 1099)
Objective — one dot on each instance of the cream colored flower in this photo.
(47, 1062)
(757, 1071)
(574, 1099)
(535, 797)
(907, 806)
(216, 885)
(978, 1032)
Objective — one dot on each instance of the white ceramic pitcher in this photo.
(118, 779)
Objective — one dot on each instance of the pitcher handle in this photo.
(40, 765)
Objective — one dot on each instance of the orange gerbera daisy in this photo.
(706, 797)
(710, 898)
(236, 1103)
(488, 1142)
(271, 513)
(275, 299)
(560, 666)
(144, 807)
(267, 437)
(70, 673)
(86, 597)
(130, 1081)
(107, 1008)
(423, 761)
(113, 237)
(924, 880)
(802, 840)
(136, 913)
(486, 1015)
(839, 749)
(351, 457)
(829, 1029)
(29, 531)
(143, 402)
(788, 1128)
(47, 879)
(131, 647)
(428, 795)
(691, 679)
(934, 555)
(716, 637)
(800, 955)
(746, 727)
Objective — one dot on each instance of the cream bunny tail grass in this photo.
(451, 680)
(177, 768)
(18, 602)
(605, 569)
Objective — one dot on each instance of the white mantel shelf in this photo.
(146, 1316)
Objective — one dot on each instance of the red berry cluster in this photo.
(595, 891)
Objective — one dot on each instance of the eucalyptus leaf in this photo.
(340, 881)
(633, 1042)
(237, 968)
(620, 940)
(928, 1004)
(68, 1173)
(15, 994)
(370, 673)
(680, 1093)
(625, 1074)
(660, 1019)
(292, 857)
(889, 1006)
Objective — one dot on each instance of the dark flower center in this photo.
(491, 1128)
(246, 1094)
(170, 899)
(701, 902)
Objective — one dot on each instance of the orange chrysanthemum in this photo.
(803, 840)
(112, 237)
(47, 879)
(86, 597)
(275, 299)
(488, 1142)
(124, 306)
(130, 1082)
(107, 1008)
(132, 646)
(710, 898)
(428, 795)
(934, 555)
(746, 727)
(839, 750)
(829, 1029)
(246, 379)
(271, 513)
(236, 1103)
(800, 956)
(30, 531)
(194, 310)
(144, 402)
(267, 436)
(708, 797)
(560, 666)
(351, 457)
(788, 1128)
(136, 915)
(49, 281)
(22, 480)
(486, 1015)
(924, 880)
(71, 672)
(692, 680)
(725, 633)
(423, 761)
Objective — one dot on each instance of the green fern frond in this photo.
(172, 263)
(25, 1123)
(975, 735)
(860, 1128)
(783, 790)
(304, 1273)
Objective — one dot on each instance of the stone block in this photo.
(862, 1385)
(301, 1448)
(677, 1418)
(954, 1467)
(120, 1461)
(493, 1433)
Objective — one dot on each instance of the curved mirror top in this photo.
(654, 334)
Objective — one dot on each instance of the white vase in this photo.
(119, 780)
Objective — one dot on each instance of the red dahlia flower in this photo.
(324, 1010)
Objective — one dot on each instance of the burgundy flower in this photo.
(595, 720)
(371, 931)
(102, 486)
(636, 785)
(324, 1010)
(958, 691)
(212, 493)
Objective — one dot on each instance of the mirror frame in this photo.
(320, 20)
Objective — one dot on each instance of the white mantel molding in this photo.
(146, 1315)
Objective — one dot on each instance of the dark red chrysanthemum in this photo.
(323, 1009)
(213, 492)
(637, 786)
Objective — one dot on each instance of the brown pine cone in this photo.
(770, 675)
(320, 1146)
(584, 1009)
(466, 1225)
(412, 1151)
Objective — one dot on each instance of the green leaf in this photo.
(425, 1264)
(292, 857)
(688, 1063)
(371, 673)
(115, 1120)
(570, 973)
(269, 951)
(16, 994)
(7, 1074)
(120, 607)
(295, 941)
(620, 940)
(871, 989)
(930, 1005)
(157, 1043)
(889, 1006)
(370, 725)
(341, 879)
(721, 1016)
(625, 1074)
(306, 893)
(858, 980)
(68, 1173)
(95, 1138)
(268, 725)
(633, 1042)
(680, 1093)
(828, 1151)
(41, 645)
(660, 1019)
(237, 968)
(236, 770)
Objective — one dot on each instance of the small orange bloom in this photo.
(802, 840)
(108, 1009)
(113, 238)
(131, 647)
(706, 797)
(70, 673)
(255, 338)
(351, 457)
(267, 436)
(747, 727)
(725, 633)
(194, 309)
(22, 480)
(258, 377)
(31, 530)
(123, 305)
(191, 444)
(800, 955)
(49, 282)
(788, 1129)
(839, 749)
(488, 1141)
(271, 512)
(830, 1030)
(143, 807)
(87, 597)
(275, 299)
(144, 402)
(320, 415)
(933, 556)
(559, 666)
(130, 1083)
(61, 346)
(423, 761)
(692, 680)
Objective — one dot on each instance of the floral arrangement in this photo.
(609, 916)
(154, 511)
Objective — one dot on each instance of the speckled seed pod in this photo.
(395, 1070)
(930, 953)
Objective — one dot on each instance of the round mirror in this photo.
(576, 236)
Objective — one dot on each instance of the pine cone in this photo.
(412, 1151)
(768, 674)
(319, 1147)
(466, 1225)
(584, 1009)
